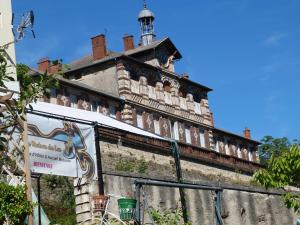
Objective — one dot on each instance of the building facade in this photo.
(154, 97)
(140, 87)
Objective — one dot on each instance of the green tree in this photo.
(32, 87)
(272, 146)
(283, 172)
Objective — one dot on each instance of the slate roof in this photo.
(87, 61)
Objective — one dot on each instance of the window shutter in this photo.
(181, 132)
(134, 117)
(164, 127)
(254, 156)
(148, 121)
(195, 137)
(206, 138)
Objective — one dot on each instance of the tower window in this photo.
(167, 86)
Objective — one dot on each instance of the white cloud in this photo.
(275, 38)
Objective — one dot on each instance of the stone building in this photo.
(140, 87)
(151, 95)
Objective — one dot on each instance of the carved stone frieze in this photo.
(174, 83)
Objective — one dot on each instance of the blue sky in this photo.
(248, 51)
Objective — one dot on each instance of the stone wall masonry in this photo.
(122, 164)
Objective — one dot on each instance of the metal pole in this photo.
(138, 206)
(39, 199)
(174, 185)
(99, 162)
(176, 155)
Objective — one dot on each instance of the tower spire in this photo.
(146, 18)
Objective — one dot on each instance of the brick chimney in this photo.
(128, 42)
(247, 133)
(43, 64)
(99, 47)
(55, 66)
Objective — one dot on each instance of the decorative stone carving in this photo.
(123, 81)
(190, 103)
(127, 114)
(143, 87)
(160, 92)
(174, 83)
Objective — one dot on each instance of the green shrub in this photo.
(14, 206)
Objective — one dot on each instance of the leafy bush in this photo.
(13, 204)
(283, 172)
(168, 217)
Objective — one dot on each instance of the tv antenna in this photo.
(27, 22)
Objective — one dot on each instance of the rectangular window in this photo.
(175, 131)
(73, 100)
(239, 152)
(188, 135)
(217, 146)
(250, 156)
(202, 138)
(156, 126)
(112, 111)
(227, 151)
(94, 106)
(139, 118)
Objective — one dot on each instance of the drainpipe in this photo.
(99, 162)
(176, 155)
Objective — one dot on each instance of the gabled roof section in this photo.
(156, 44)
(88, 61)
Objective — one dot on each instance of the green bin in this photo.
(127, 208)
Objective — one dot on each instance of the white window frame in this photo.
(139, 120)
(156, 126)
(188, 138)
(202, 138)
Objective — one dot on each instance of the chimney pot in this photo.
(99, 47)
(43, 64)
(128, 42)
(247, 133)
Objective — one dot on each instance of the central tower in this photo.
(146, 18)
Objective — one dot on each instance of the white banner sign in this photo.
(61, 148)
